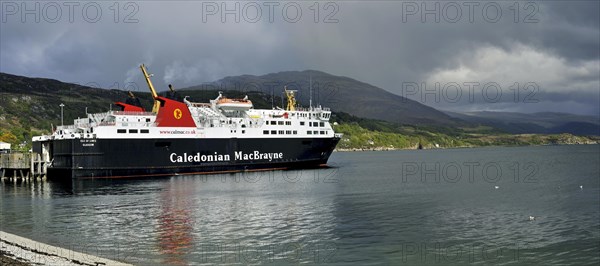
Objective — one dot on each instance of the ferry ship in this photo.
(185, 137)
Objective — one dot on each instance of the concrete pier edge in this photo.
(53, 251)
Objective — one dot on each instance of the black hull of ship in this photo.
(121, 158)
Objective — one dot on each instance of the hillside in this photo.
(30, 105)
(369, 134)
(540, 123)
(341, 94)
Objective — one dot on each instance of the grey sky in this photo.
(553, 46)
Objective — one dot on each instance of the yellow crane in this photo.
(147, 76)
(291, 99)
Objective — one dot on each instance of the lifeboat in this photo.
(229, 104)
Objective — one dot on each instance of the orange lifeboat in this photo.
(225, 103)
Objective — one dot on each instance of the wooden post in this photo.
(45, 169)
(39, 166)
(31, 164)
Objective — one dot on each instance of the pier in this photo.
(23, 166)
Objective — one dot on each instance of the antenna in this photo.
(284, 89)
(310, 92)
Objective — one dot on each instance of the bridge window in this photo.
(322, 124)
(280, 123)
(145, 131)
(273, 132)
(302, 123)
(121, 131)
(133, 131)
(265, 132)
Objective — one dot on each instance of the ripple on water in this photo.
(370, 215)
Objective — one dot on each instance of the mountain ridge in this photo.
(339, 93)
(540, 122)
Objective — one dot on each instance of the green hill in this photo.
(540, 123)
(369, 134)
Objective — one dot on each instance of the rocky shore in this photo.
(10, 260)
(20, 251)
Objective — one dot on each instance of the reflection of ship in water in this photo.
(175, 224)
(242, 218)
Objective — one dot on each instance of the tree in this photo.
(8, 138)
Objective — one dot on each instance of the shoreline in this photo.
(457, 147)
(16, 250)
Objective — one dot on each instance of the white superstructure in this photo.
(212, 120)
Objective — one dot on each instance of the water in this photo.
(433, 207)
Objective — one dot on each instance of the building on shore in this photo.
(4, 147)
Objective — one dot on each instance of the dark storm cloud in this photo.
(375, 42)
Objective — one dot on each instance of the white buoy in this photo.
(496, 187)
(531, 218)
(580, 187)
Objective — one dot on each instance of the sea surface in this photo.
(482, 206)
